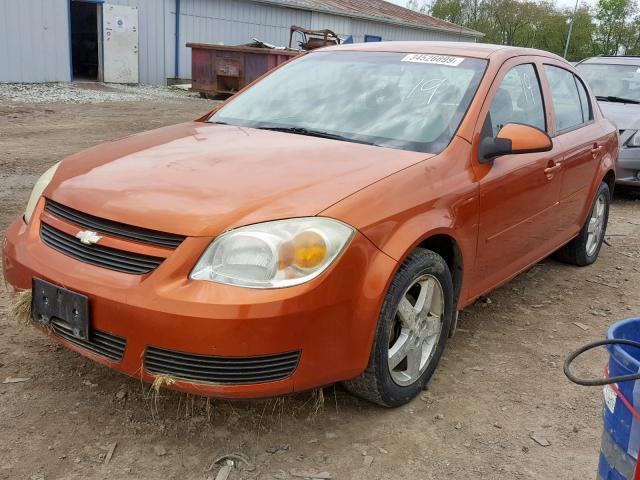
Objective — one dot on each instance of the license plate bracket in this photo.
(52, 301)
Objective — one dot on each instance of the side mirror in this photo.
(514, 138)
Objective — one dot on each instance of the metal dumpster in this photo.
(221, 69)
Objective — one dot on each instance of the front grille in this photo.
(214, 369)
(111, 258)
(102, 343)
(115, 229)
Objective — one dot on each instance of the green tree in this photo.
(582, 37)
(613, 27)
(453, 11)
(551, 27)
(632, 37)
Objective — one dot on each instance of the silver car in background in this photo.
(615, 81)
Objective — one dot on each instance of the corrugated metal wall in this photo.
(34, 34)
(358, 28)
(234, 22)
(34, 41)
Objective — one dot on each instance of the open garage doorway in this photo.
(86, 32)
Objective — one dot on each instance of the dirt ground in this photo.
(501, 377)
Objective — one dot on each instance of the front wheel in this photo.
(411, 334)
(584, 249)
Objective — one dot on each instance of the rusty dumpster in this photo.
(221, 69)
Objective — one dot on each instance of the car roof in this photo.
(611, 60)
(463, 49)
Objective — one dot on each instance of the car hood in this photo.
(199, 179)
(625, 115)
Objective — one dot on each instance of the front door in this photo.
(120, 43)
(519, 194)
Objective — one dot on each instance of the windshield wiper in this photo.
(610, 98)
(314, 133)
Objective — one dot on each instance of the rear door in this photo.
(519, 194)
(581, 138)
(120, 43)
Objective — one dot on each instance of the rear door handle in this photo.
(553, 169)
(596, 149)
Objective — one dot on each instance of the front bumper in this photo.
(628, 167)
(330, 320)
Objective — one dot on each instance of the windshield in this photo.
(407, 101)
(608, 80)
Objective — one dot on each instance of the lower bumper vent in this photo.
(214, 369)
(102, 343)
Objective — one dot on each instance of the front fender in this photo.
(436, 196)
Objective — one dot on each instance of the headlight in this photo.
(38, 188)
(634, 141)
(275, 254)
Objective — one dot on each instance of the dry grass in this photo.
(159, 382)
(20, 307)
(265, 414)
(318, 402)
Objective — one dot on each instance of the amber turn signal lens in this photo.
(309, 249)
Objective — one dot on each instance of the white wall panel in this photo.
(34, 41)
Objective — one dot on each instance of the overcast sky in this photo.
(561, 3)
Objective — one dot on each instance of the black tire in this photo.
(576, 251)
(376, 383)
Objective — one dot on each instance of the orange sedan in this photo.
(324, 225)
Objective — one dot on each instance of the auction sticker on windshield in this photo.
(436, 59)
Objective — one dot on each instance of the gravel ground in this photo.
(500, 379)
(87, 92)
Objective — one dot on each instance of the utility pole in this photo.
(573, 19)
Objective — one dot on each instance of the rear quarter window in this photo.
(585, 101)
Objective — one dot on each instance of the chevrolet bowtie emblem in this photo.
(88, 237)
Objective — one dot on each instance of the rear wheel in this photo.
(411, 334)
(584, 249)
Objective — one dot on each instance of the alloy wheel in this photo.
(414, 335)
(595, 229)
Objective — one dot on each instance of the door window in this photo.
(565, 98)
(518, 100)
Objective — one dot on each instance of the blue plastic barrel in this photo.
(621, 436)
